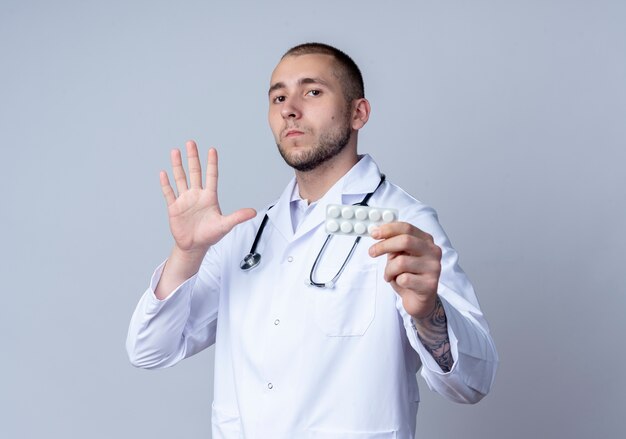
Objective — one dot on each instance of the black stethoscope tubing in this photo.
(253, 258)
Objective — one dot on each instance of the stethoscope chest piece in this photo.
(251, 260)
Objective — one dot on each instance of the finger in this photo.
(408, 282)
(211, 172)
(168, 192)
(397, 228)
(404, 264)
(193, 165)
(179, 173)
(425, 284)
(407, 244)
(238, 217)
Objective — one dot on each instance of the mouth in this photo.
(293, 133)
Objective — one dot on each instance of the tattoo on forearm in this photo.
(433, 333)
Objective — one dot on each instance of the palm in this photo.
(193, 217)
(196, 221)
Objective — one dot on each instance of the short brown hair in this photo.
(348, 72)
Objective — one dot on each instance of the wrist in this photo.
(430, 308)
(185, 263)
(192, 255)
(180, 266)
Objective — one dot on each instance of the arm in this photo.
(432, 331)
(177, 315)
(413, 268)
(441, 315)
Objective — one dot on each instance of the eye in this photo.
(314, 92)
(278, 99)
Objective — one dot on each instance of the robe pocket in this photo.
(225, 425)
(347, 309)
(332, 434)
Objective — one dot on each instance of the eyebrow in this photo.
(303, 81)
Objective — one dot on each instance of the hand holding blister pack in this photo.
(357, 220)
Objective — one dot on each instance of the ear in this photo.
(360, 113)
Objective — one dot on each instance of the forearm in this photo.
(163, 332)
(179, 267)
(432, 331)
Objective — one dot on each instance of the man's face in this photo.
(308, 114)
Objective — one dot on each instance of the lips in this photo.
(293, 133)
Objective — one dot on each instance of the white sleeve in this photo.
(473, 350)
(163, 332)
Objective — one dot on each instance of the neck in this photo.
(315, 183)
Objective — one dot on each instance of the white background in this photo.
(507, 116)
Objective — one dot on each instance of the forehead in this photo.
(293, 68)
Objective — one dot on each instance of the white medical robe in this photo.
(296, 361)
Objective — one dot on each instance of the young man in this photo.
(304, 349)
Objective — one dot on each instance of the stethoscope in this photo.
(253, 258)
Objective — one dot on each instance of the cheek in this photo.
(275, 124)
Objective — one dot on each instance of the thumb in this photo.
(238, 217)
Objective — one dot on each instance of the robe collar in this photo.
(361, 179)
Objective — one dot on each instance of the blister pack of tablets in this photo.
(348, 219)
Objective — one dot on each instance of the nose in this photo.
(291, 109)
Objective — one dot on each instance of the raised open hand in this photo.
(196, 221)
